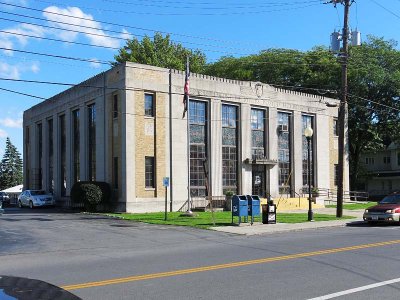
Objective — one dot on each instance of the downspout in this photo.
(170, 141)
(104, 128)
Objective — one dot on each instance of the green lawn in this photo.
(353, 206)
(204, 219)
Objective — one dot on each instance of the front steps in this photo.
(292, 203)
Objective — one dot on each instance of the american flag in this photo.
(186, 90)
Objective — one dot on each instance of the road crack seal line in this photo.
(224, 266)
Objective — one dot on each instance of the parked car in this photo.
(4, 198)
(35, 198)
(387, 210)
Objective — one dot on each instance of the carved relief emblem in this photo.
(259, 89)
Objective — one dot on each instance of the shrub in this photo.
(91, 194)
(229, 193)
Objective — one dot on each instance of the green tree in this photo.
(10, 167)
(161, 52)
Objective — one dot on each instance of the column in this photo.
(297, 153)
(245, 135)
(273, 150)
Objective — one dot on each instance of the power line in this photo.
(193, 6)
(194, 2)
(57, 40)
(24, 94)
(121, 25)
(388, 10)
(108, 30)
(376, 103)
(24, 59)
(202, 14)
(109, 63)
(57, 56)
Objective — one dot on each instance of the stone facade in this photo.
(125, 136)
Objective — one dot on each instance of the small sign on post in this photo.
(166, 184)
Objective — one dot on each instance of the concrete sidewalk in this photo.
(259, 228)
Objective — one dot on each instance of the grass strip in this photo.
(354, 206)
(204, 219)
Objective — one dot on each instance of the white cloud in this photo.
(3, 133)
(11, 123)
(16, 2)
(9, 71)
(17, 35)
(14, 71)
(82, 22)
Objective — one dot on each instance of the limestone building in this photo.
(125, 126)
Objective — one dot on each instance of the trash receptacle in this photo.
(239, 207)
(253, 206)
(268, 213)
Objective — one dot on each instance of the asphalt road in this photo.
(96, 257)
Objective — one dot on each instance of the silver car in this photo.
(35, 198)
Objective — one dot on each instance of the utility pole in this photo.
(343, 109)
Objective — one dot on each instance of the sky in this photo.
(97, 29)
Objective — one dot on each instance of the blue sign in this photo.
(166, 181)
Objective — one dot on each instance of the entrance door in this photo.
(258, 180)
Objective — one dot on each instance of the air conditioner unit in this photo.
(283, 128)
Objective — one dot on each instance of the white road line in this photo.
(355, 290)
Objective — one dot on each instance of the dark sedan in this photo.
(387, 210)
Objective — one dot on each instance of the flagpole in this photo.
(189, 211)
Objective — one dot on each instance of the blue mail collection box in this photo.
(239, 206)
(254, 206)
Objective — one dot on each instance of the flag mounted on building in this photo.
(186, 89)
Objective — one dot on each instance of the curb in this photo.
(261, 229)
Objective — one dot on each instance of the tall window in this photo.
(284, 153)
(257, 133)
(198, 148)
(115, 106)
(149, 172)
(40, 155)
(149, 105)
(51, 156)
(307, 121)
(76, 145)
(92, 141)
(63, 140)
(258, 150)
(229, 148)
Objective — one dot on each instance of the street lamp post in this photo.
(308, 132)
